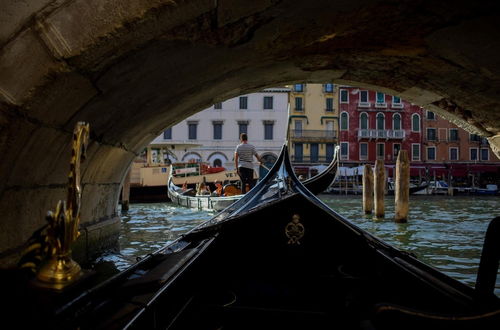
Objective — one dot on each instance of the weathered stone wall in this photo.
(132, 68)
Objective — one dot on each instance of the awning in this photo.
(298, 116)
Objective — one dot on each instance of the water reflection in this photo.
(445, 232)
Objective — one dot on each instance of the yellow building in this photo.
(313, 125)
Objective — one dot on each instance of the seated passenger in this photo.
(218, 188)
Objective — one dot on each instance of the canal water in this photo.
(444, 232)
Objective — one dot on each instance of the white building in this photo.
(216, 130)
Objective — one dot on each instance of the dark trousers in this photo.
(246, 177)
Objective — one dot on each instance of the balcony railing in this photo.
(397, 105)
(381, 134)
(311, 160)
(309, 134)
(380, 105)
(364, 104)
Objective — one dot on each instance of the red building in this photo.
(374, 125)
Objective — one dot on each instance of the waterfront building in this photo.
(450, 150)
(211, 135)
(374, 125)
(313, 126)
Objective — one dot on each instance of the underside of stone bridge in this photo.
(132, 68)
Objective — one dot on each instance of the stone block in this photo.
(24, 64)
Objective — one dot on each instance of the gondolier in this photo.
(243, 156)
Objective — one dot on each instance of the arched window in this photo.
(415, 123)
(344, 121)
(363, 121)
(217, 163)
(396, 121)
(380, 121)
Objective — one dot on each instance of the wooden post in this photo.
(126, 191)
(345, 172)
(402, 189)
(379, 188)
(450, 186)
(149, 156)
(368, 189)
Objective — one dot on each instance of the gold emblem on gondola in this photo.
(294, 230)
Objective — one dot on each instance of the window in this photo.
(396, 121)
(363, 96)
(217, 130)
(218, 105)
(329, 104)
(415, 123)
(329, 128)
(167, 134)
(268, 130)
(242, 127)
(431, 153)
(396, 147)
(485, 154)
(330, 151)
(453, 134)
(396, 100)
(344, 121)
(363, 151)
(380, 121)
(314, 152)
(380, 98)
(363, 121)
(453, 153)
(344, 96)
(415, 151)
(431, 115)
(298, 151)
(268, 102)
(298, 87)
(380, 150)
(192, 127)
(473, 153)
(298, 104)
(431, 134)
(243, 102)
(217, 162)
(344, 150)
(474, 137)
(298, 125)
(328, 88)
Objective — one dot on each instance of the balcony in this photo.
(381, 134)
(313, 135)
(381, 105)
(311, 160)
(364, 105)
(397, 105)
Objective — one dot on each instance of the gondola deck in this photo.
(279, 259)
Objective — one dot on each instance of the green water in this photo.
(444, 232)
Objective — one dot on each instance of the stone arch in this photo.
(191, 155)
(217, 156)
(109, 64)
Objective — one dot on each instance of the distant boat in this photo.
(189, 198)
(491, 189)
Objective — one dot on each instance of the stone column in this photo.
(126, 191)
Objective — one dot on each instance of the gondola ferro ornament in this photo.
(60, 270)
(294, 230)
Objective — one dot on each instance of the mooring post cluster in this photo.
(374, 184)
